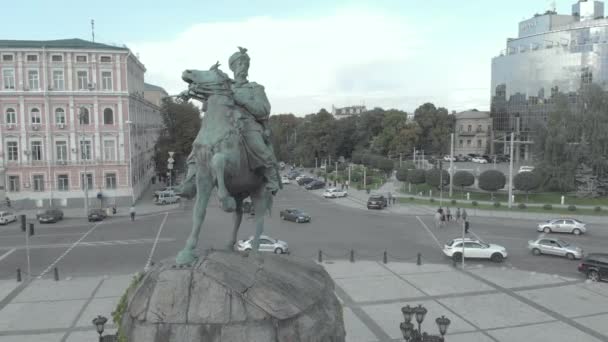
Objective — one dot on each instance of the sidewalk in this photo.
(484, 304)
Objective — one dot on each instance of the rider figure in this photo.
(251, 100)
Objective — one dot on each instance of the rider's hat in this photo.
(242, 53)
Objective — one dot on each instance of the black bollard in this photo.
(22, 223)
(31, 232)
(56, 274)
(19, 275)
(352, 255)
(419, 259)
(320, 258)
(385, 258)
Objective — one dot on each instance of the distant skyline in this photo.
(381, 53)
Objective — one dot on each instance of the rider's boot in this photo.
(273, 183)
(188, 187)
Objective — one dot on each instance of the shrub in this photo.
(474, 203)
(453, 201)
(463, 178)
(521, 206)
(492, 180)
(497, 204)
(572, 207)
(526, 181)
(412, 198)
(312, 171)
(416, 176)
(597, 209)
(432, 200)
(402, 174)
(547, 207)
(434, 176)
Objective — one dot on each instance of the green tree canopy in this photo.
(433, 177)
(463, 178)
(526, 181)
(435, 127)
(492, 180)
(416, 176)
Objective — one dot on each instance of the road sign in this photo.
(171, 160)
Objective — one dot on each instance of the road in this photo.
(119, 246)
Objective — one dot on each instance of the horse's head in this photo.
(209, 82)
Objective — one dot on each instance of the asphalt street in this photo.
(119, 246)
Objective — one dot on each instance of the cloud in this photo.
(350, 56)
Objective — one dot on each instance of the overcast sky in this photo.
(308, 54)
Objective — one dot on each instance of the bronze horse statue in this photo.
(221, 160)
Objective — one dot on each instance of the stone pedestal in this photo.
(228, 296)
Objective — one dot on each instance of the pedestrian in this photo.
(342, 186)
(466, 227)
(394, 200)
(347, 183)
(449, 214)
(132, 211)
(390, 198)
(464, 214)
(457, 215)
(437, 219)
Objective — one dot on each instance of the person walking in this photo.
(449, 214)
(466, 227)
(390, 198)
(132, 212)
(464, 214)
(457, 215)
(438, 219)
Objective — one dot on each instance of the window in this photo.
(8, 75)
(105, 59)
(106, 80)
(81, 59)
(89, 181)
(56, 58)
(32, 78)
(11, 116)
(478, 142)
(61, 150)
(62, 183)
(58, 83)
(13, 151)
(59, 116)
(84, 116)
(108, 116)
(109, 150)
(38, 182)
(36, 150)
(32, 58)
(13, 183)
(461, 128)
(35, 116)
(7, 58)
(83, 80)
(469, 127)
(110, 181)
(478, 128)
(461, 143)
(85, 148)
(468, 143)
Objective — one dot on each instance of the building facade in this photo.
(74, 118)
(552, 54)
(473, 133)
(345, 112)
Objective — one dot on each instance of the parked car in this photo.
(595, 266)
(305, 180)
(285, 180)
(7, 217)
(334, 193)
(50, 216)
(292, 175)
(96, 215)
(501, 158)
(567, 225)
(267, 244)
(377, 202)
(449, 158)
(479, 160)
(555, 247)
(168, 188)
(526, 169)
(166, 197)
(314, 185)
(474, 249)
(295, 215)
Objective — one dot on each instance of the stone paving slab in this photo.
(114, 286)
(553, 331)
(495, 310)
(598, 323)
(86, 336)
(359, 269)
(98, 306)
(412, 268)
(356, 331)
(6, 287)
(510, 278)
(38, 316)
(570, 301)
(599, 288)
(443, 283)
(469, 337)
(35, 338)
(48, 289)
(377, 288)
(388, 317)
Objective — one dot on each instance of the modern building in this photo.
(74, 118)
(553, 53)
(345, 112)
(473, 132)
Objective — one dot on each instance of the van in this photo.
(166, 197)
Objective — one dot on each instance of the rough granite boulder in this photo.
(227, 296)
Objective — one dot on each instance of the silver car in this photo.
(563, 225)
(267, 244)
(545, 245)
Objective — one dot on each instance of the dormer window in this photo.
(32, 58)
(105, 59)
(81, 59)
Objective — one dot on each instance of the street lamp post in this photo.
(129, 122)
(411, 334)
(99, 323)
(85, 177)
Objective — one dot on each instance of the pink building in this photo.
(73, 112)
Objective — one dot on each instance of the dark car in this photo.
(487, 158)
(305, 180)
(295, 215)
(595, 266)
(96, 215)
(293, 174)
(314, 185)
(500, 158)
(50, 216)
(377, 202)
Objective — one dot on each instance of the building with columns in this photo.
(74, 115)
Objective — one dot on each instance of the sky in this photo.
(307, 54)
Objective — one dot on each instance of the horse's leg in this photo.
(218, 164)
(204, 186)
(238, 217)
(261, 201)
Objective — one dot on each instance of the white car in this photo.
(526, 169)
(474, 249)
(300, 177)
(267, 244)
(479, 160)
(166, 197)
(7, 217)
(285, 180)
(562, 225)
(334, 193)
(449, 158)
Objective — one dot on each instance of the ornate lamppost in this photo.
(411, 334)
(99, 322)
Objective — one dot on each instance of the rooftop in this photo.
(152, 87)
(74, 43)
(473, 114)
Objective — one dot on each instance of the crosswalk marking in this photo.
(95, 243)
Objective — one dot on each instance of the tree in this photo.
(385, 165)
(463, 178)
(416, 176)
(284, 128)
(433, 177)
(402, 174)
(435, 127)
(526, 181)
(398, 135)
(492, 180)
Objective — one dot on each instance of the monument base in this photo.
(227, 296)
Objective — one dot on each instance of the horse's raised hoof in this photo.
(185, 257)
(228, 204)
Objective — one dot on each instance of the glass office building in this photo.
(552, 54)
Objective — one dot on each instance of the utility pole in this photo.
(511, 171)
(440, 183)
(451, 163)
(336, 179)
(364, 179)
(349, 168)
(85, 177)
(400, 159)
